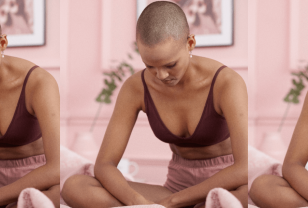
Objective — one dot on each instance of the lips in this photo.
(167, 81)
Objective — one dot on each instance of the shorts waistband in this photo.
(23, 162)
(225, 159)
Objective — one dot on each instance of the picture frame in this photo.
(24, 24)
(208, 33)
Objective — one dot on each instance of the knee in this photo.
(55, 188)
(260, 187)
(72, 184)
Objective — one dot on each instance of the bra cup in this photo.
(211, 129)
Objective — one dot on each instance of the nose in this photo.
(161, 74)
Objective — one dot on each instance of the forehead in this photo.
(160, 54)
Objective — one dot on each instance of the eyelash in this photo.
(167, 66)
(172, 66)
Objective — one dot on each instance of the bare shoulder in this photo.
(133, 84)
(228, 78)
(132, 91)
(41, 79)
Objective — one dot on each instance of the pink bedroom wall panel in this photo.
(269, 71)
(46, 56)
(85, 80)
(273, 75)
(298, 33)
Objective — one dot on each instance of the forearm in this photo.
(115, 183)
(41, 178)
(297, 177)
(229, 178)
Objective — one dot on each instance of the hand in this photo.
(143, 201)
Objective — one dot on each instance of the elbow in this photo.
(56, 176)
(98, 169)
(53, 174)
(287, 170)
(242, 173)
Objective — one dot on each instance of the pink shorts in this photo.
(183, 173)
(12, 170)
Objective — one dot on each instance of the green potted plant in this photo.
(295, 91)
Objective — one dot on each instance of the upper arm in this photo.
(122, 121)
(298, 148)
(233, 102)
(45, 102)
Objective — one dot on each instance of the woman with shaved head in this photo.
(195, 104)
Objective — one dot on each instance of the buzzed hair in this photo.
(161, 20)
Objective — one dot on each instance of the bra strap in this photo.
(213, 82)
(23, 93)
(143, 81)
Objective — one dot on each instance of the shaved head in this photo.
(160, 21)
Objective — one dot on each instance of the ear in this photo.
(191, 42)
(3, 42)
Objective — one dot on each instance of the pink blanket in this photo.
(32, 198)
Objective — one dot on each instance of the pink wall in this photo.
(103, 30)
(269, 71)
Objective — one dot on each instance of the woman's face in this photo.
(167, 61)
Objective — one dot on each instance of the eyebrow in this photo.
(164, 65)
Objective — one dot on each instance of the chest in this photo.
(181, 112)
(9, 97)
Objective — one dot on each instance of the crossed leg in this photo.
(269, 191)
(80, 191)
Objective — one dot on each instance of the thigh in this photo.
(274, 191)
(153, 193)
(90, 188)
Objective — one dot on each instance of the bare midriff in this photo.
(32, 149)
(207, 152)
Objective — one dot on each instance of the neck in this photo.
(188, 74)
(5, 72)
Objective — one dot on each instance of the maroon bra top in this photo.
(24, 127)
(211, 129)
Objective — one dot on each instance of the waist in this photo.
(29, 150)
(210, 162)
(28, 161)
(207, 152)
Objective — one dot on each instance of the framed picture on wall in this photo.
(211, 21)
(23, 21)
